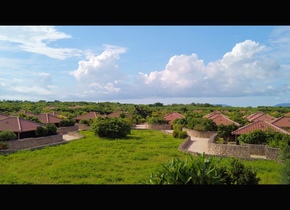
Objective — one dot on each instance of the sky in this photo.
(238, 65)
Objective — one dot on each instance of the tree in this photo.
(111, 127)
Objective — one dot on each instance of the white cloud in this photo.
(35, 39)
(100, 74)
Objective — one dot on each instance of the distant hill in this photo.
(283, 105)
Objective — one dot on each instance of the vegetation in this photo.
(204, 170)
(95, 160)
(111, 127)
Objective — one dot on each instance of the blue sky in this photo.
(234, 65)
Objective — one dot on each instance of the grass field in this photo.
(92, 160)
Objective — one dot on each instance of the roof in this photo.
(172, 116)
(3, 116)
(220, 118)
(89, 115)
(259, 116)
(283, 121)
(17, 124)
(116, 114)
(48, 118)
(259, 125)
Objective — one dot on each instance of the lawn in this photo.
(93, 160)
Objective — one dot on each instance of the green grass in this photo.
(92, 160)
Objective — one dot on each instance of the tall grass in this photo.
(93, 160)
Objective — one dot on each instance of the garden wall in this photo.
(158, 126)
(65, 130)
(30, 143)
(233, 150)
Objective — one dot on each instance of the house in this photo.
(21, 127)
(282, 122)
(259, 116)
(220, 119)
(117, 114)
(258, 125)
(87, 116)
(49, 119)
(3, 116)
(170, 117)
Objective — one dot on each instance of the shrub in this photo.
(182, 134)
(111, 127)
(40, 131)
(51, 129)
(67, 122)
(3, 145)
(7, 135)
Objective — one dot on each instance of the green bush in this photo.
(182, 134)
(67, 122)
(111, 127)
(3, 145)
(51, 129)
(7, 135)
(204, 170)
(40, 131)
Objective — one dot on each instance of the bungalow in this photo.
(87, 116)
(49, 119)
(21, 127)
(282, 122)
(258, 125)
(220, 119)
(259, 116)
(170, 117)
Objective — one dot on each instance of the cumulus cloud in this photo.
(35, 39)
(238, 73)
(100, 74)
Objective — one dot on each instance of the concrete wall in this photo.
(157, 126)
(30, 143)
(233, 150)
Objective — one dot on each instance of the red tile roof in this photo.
(48, 118)
(116, 114)
(220, 118)
(17, 124)
(259, 125)
(172, 116)
(283, 121)
(259, 116)
(87, 116)
(3, 116)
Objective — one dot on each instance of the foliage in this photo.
(285, 172)
(239, 174)
(203, 170)
(86, 121)
(67, 122)
(156, 120)
(41, 131)
(51, 129)
(7, 135)
(225, 131)
(111, 127)
(201, 124)
(31, 118)
(3, 145)
(254, 137)
(91, 160)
